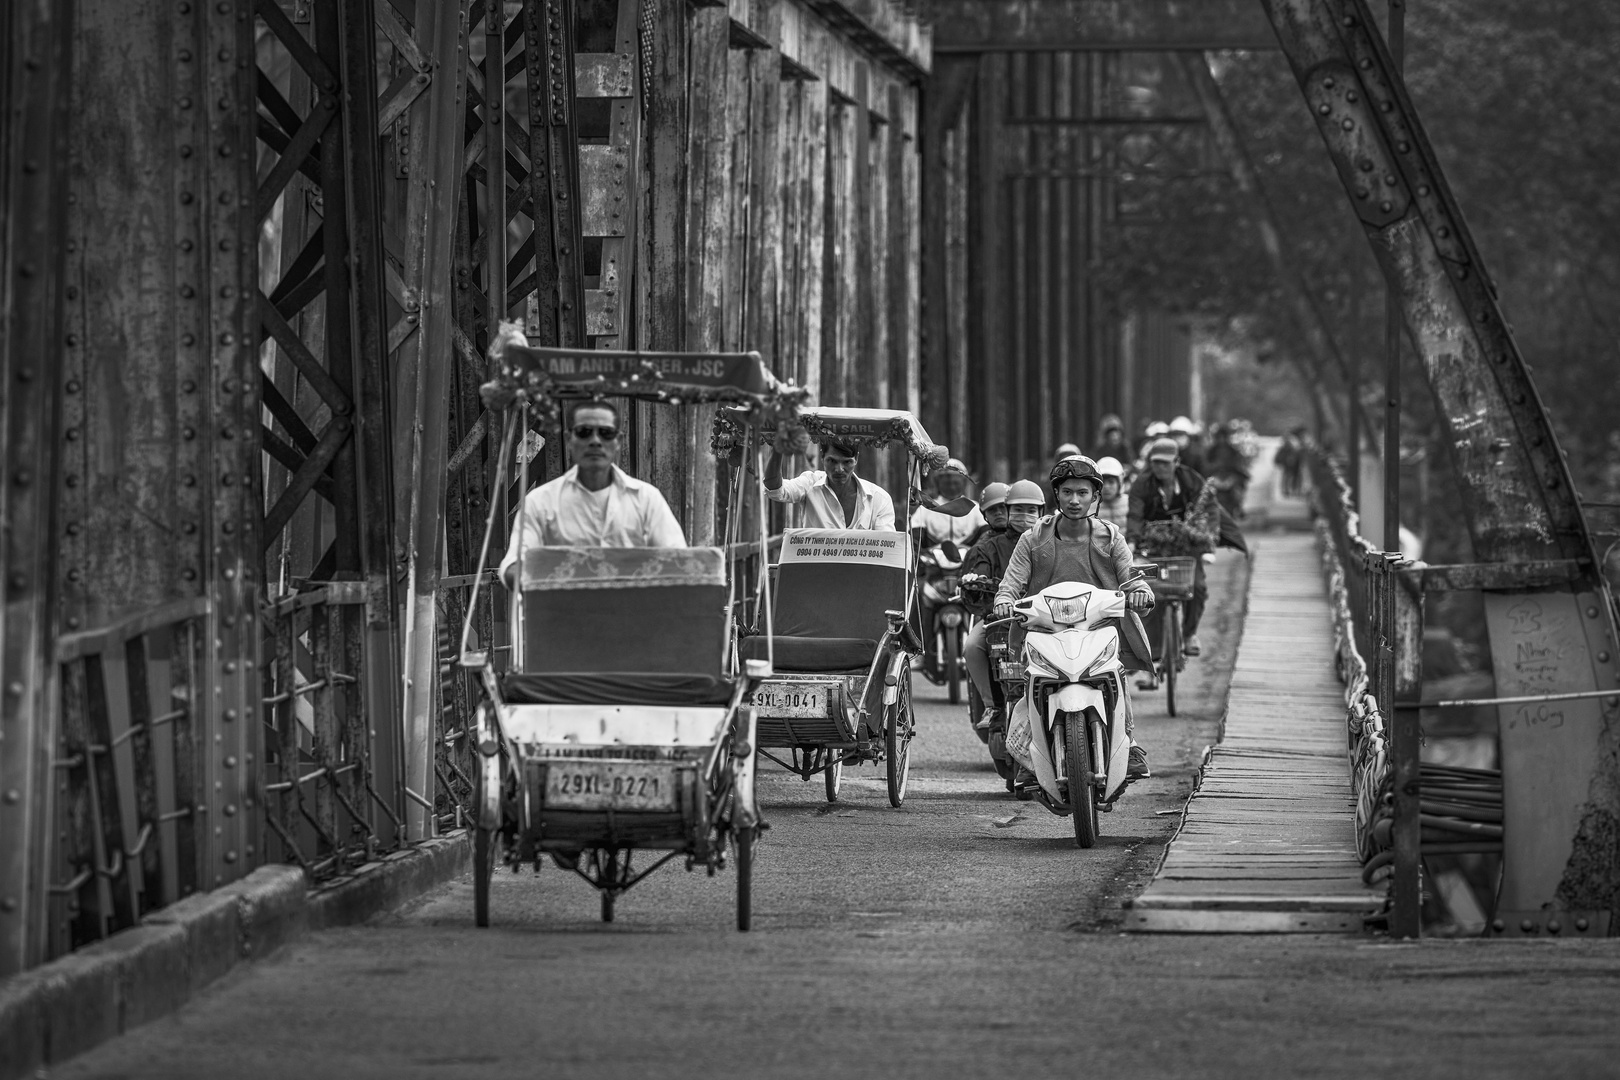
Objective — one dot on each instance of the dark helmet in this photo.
(1076, 467)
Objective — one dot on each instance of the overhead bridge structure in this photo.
(252, 251)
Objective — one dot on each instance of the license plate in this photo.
(787, 699)
(610, 785)
(1012, 669)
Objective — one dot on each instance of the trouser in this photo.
(976, 650)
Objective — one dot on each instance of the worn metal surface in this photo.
(1061, 25)
(35, 47)
(1561, 780)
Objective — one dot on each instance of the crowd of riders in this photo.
(1085, 520)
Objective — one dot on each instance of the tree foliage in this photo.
(1519, 101)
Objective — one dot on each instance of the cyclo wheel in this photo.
(833, 778)
(953, 663)
(483, 870)
(1082, 792)
(897, 730)
(745, 877)
(1172, 654)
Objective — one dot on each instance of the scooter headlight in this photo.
(1033, 662)
(1068, 612)
(951, 617)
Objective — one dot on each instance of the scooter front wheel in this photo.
(1082, 792)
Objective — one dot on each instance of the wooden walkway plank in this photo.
(1267, 843)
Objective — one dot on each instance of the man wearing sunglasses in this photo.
(593, 504)
(832, 497)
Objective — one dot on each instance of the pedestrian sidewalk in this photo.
(1267, 842)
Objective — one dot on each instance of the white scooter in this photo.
(1071, 716)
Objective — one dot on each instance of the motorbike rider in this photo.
(1075, 545)
(930, 527)
(1228, 466)
(1110, 440)
(1166, 491)
(1115, 505)
(1019, 507)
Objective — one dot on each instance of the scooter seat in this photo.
(813, 655)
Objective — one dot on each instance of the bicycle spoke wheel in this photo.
(833, 777)
(483, 870)
(897, 730)
(1172, 655)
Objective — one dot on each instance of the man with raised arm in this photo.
(831, 497)
(593, 504)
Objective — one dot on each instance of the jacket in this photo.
(989, 556)
(1148, 502)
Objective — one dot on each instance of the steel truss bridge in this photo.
(253, 250)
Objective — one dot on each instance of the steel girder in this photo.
(1561, 761)
(1079, 25)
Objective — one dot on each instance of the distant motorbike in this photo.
(1006, 675)
(1069, 727)
(946, 617)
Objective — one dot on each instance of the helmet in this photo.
(1182, 425)
(1026, 493)
(1068, 449)
(1157, 428)
(1110, 422)
(1163, 448)
(954, 465)
(992, 496)
(1075, 468)
(1110, 467)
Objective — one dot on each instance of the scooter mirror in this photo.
(952, 552)
(961, 506)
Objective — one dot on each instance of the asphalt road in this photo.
(962, 935)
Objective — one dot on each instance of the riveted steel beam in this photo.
(1070, 25)
(35, 46)
(1561, 764)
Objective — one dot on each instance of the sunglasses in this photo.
(585, 431)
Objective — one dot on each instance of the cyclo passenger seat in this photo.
(832, 590)
(634, 626)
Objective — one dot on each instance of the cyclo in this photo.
(840, 636)
(638, 737)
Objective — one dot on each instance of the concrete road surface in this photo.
(963, 935)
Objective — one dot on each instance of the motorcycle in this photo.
(1006, 675)
(946, 619)
(1069, 727)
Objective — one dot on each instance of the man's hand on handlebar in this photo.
(1139, 599)
(1001, 611)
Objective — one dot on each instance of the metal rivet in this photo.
(25, 374)
(186, 198)
(1423, 189)
(230, 573)
(189, 574)
(188, 340)
(1352, 97)
(189, 527)
(22, 477)
(14, 688)
(227, 338)
(229, 714)
(1404, 147)
(185, 103)
(189, 385)
(184, 56)
(1386, 206)
(74, 528)
(1527, 925)
(13, 796)
(73, 622)
(187, 292)
(224, 245)
(26, 270)
(230, 761)
(1581, 924)
(188, 433)
(1553, 926)
(75, 575)
(1389, 178)
(224, 198)
(72, 341)
(18, 581)
(230, 856)
(230, 809)
(1603, 658)
(186, 245)
(185, 151)
(71, 434)
(1366, 65)
(30, 166)
(225, 479)
(224, 104)
(230, 666)
(71, 480)
(8, 904)
(185, 9)
(1591, 612)
(189, 480)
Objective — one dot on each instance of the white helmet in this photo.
(1157, 428)
(1107, 466)
(1026, 493)
(992, 496)
(1183, 425)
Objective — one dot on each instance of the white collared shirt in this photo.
(819, 507)
(564, 513)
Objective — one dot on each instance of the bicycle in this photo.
(1171, 590)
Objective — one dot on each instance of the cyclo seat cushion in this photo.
(631, 626)
(814, 654)
(619, 687)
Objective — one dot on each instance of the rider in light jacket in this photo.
(1075, 545)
